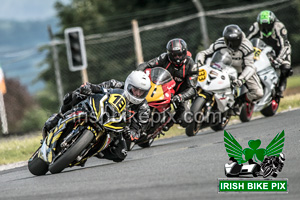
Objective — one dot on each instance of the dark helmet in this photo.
(233, 36)
(265, 20)
(177, 51)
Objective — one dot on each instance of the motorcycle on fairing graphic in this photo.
(269, 103)
(94, 125)
(159, 101)
(215, 95)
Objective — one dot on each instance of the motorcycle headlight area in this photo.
(213, 74)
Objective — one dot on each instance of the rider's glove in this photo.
(200, 63)
(276, 63)
(86, 89)
(177, 99)
(129, 134)
(134, 136)
(237, 83)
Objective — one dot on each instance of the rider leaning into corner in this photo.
(273, 32)
(136, 88)
(240, 48)
(177, 60)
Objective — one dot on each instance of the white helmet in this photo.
(137, 86)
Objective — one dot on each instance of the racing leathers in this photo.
(278, 40)
(185, 76)
(242, 61)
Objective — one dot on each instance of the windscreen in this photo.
(220, 60)
(160, 76)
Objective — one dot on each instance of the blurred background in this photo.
(26, 44)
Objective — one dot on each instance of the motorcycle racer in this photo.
(177, 60)
(240, 48)
(136, 88)
(273, 32)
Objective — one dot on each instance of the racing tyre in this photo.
(271, 109)
(267, 172)
(36, 165)
(221, 126)
(193, 128)
(246, 112)
(146, 144)
(70, 155)
(129, 144)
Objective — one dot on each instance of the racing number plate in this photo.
(256, 53)
(202, 75)
(118, 101)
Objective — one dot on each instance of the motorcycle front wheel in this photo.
(147, 143)
(246, 112)
(221, 126)
(129, 144)
(193, 128)
(71, 154)
(36, 165)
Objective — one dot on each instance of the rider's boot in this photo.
(236, 109)
(168, 125)
(281, 87)
(51, 123)
(285, 73)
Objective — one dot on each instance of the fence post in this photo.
(202, 21)
(84, 76)
(56, 66)
(3, 114)
(137, 42)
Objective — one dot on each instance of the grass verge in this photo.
(293, 81)
(17, 149)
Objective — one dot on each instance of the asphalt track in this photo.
(176, 168)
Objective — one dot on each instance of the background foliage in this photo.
(109, 40)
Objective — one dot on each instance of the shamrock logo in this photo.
(234, 149)
(258, 154)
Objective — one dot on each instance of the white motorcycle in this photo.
(216, 96)
(269, 103)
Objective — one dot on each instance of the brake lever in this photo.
(174, 105)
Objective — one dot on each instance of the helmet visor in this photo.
(266, 28)
(233, 43)
(177, 55)
(137, 92)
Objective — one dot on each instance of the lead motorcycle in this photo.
(159, 100)
(92, 126)
(269, 103)
(215, 98)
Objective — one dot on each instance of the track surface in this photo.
(176, 168)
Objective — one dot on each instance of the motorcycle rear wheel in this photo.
(36, 165)
(193, 128)
(70, 155)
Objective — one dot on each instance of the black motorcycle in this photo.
(93, 126)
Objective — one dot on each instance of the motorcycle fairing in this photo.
(160, 96)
